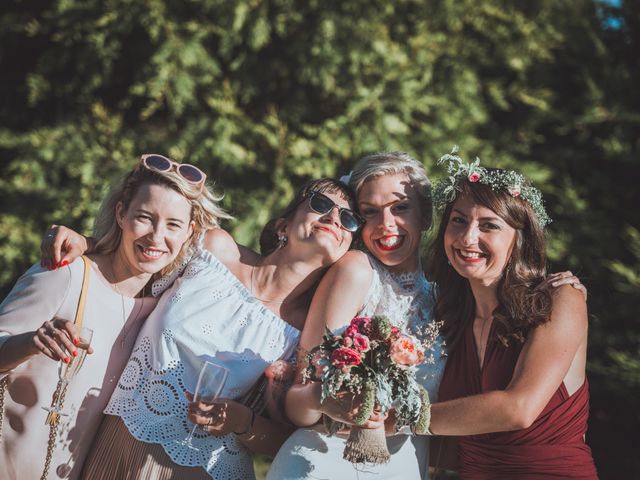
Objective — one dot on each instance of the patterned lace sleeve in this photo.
(160, 285)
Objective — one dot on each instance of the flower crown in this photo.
(515, 183)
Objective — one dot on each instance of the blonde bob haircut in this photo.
(205, 211)
(394, 163)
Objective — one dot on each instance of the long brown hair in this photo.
(521, 306)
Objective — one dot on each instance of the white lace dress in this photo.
(407, 300)
(208, 314)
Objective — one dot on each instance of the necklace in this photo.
(278, 302)
(125, 330)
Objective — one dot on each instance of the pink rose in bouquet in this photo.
(360, 325)
(375, 361)
(406, 350)
(345, 357)
(361, 342)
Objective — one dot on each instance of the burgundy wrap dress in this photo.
(552, 447)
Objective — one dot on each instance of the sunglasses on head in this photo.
(322, 204)
(188, 172)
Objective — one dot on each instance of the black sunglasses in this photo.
(322, 204)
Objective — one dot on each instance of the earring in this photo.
(282, 240)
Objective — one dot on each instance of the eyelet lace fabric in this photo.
(159, 286)
(207, 314)
(407, 299)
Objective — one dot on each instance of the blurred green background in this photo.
(263, 95)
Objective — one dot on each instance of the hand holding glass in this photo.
(210, 384)
(67, 371)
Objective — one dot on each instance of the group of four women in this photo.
(169, 290)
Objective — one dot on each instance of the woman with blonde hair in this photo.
(233, 307)
(149, 223)
(394, 198)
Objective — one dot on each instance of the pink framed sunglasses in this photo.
(160, 163)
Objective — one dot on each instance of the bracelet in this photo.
(250, 426)
(424, 421)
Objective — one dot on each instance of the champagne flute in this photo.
(211, 380)
(66, 373)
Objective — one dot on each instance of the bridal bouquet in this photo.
(375, 362)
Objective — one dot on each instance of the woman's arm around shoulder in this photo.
(553, 353)
(339, 298)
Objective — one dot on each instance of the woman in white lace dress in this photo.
(235, 308)
(393, 195)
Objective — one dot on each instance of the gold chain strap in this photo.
(3, 387)
(53, 419)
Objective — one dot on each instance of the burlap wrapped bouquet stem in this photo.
(374, 363)
(366, 445)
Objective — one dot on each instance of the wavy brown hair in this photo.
(521, 305)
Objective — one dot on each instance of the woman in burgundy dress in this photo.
(514, 389)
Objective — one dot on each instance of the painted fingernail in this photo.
(64, 263)
(66, 359)
(74, 353)
(76, 341)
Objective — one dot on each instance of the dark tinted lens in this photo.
(190, 173)
(349, 220)
(320, 204)
(157, 162)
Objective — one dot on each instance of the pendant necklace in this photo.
(278, 302)
(125, 330)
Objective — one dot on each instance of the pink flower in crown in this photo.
(347, 341)
(474, 177)
(361, 342)
(406, 350)
(345, 357)
(514, 190)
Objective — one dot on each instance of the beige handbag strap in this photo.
(61, 388)
(78, 321)
(83, 292)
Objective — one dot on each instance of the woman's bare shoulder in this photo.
(227, 250)
(353, 269)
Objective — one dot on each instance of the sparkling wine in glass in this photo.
(66, 373)
(210, 383)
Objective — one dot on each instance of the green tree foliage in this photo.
(264, 94)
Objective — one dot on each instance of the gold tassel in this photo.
(52, 418)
